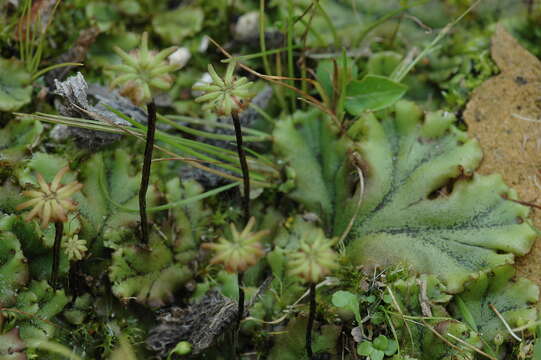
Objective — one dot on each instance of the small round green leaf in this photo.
(182, 348)
(372, 93)
(377, 355)
(381, 342)
(365, 348)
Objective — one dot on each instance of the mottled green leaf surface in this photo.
(13, 263)
(513, 299)
(18, 137)
(421, 206)
(290, 344)
(152, 276)
(174, 26)
(15, 88)
(308, 143)
(422, 338)
(109, 182)
(38, 305)
(412, 212)
(383, 63)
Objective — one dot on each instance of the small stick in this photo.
(59, 230)
(440, 336)
(151, 129)
(311, 316)
(468, 345)
(357, 207)
(507, 327)
(525, 203)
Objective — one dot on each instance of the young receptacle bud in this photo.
(314, 258)
(143, 72)
(239, 252)
(226, 95)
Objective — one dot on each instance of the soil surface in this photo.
(504, 114)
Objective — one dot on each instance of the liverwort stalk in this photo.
(228, 96)
(236, 254)
(243, 165)
(59, 229)
(140, 75)
(145, 174)
(313, 260)
(51, 203)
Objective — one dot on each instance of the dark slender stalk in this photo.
(243, 166)
(58, 231)
(240, 276)
(246, 209)
(311, 316)
(240, 313)
(73, 284)
(149, 146)
(530, 4)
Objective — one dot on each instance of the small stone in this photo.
(357, 335)
(204, 44)
(60, 133)
(247, 26)
(180, 57)
(203, 80)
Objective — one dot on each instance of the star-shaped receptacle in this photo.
(240, 251)
(51, 202)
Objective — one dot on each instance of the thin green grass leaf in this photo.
(205, 134)
(402, 70)
(52, 67)
(465, 312)
(169, 205)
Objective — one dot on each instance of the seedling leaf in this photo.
(372, 93)
(347, 300)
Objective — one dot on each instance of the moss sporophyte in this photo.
(141, 75)
(51, 203)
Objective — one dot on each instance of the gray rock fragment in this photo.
(76, 93)
(200, 324)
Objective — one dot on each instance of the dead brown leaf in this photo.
(36, 19)
(504, 114)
